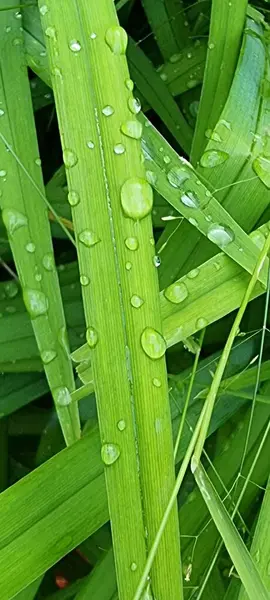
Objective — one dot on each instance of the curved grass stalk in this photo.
(26, 221)
(111, 202)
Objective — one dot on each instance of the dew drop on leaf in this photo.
(73, 198)
(116, 38)
(88, 238)
(220, 235)
(36, 302)
(213, 158)
(136, 198)
(190, 199)
(132, 129)
(176, 177)
(69, 157)
(47, 356)
(91, 337)
(176, 292)
(13, 220)
(132, 243)
(61, 396)
(110, 453)
(136, 301)
(153, 343)
(261, 166)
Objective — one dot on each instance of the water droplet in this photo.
(220, 235)
(132, 129)
(261, 166)
(117, 39)
(213, 158)
(163, 76)
(211, 45)
(257, 556)
(61, 396)
(73, 198)
(158, 425)
(166, 159)
(13, 220)
(63, 339)
(38, 277)
(38, 162)
(11, 289)
(151, 177)
(193, 273)
(110, 453)
(134, 105)
(90, 145)
(192, 83)
(84, 280)
(133, 567)
(201, 323)
(93, 35)
(121, 425)
(129, 84)
(176, 177)
(193, 222)
(136, 198)
(91, 337)
(75, 46)
(18, 15)
(136, 301)
(152, 241)
(10, 309)
(176, 293)
(156, 261)
(128, 266)
(50, 33)
(156, 382)
(47, 356)
(48, 262)
(153, 343)
(258, 239)
(70, 158)
(56, 72)
(43, 10)
(2, 173)
(89, 238)
(30, 247)
(132, 243)
(108, 110)
(36, 302)
(119, 149)
(2, 112)
(190, 199)
(8, 29)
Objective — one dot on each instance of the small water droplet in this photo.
(110, 453)
(133, 566)
(56, 72)
(201, 323)
(10, 309)
(11, 289)
(117, 39)
(89, 238)
(261, 166)
(163, 76)
(47, 356)
(13, 220)
(153, 343)
(128, 266)
(156, 261)
(258, 239)
(75, 46)
(38, 277)
(50, 33)
(70, 158)
(132, 129)
(61, 396)
(193, 222)
(93, 35)
(211, 45)
(36, 302)
(136, 301)
(175, 58)
(217, 266)
(91, 337)
(119, 149)
(43, 10)
(129, 84)
(193, 273)
(2, 112)
(166, 159)
(2, 173)
(176, 177)
(152, 241)
(90, 145)
(136, 198)
(8, 29)
(190, 199)
(84, 280)
(134, 105)
(48, 262)
(257, 556)
(192, 83)
(30, 247)
(176, 292)
(18, 15)
(213, 158)
(38, 162)
(108, 110)
(121, 425)
(220, 235)
(73, 198)
(156, 382)
(151, 177)
(132, 243)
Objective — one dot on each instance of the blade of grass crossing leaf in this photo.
(240, 556)
(25, 218)
(226, 28)
(114, 244)
(160, 23)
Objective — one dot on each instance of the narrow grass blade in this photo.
(25, 218)
(101, 583)
(30, 592)
(160, 22)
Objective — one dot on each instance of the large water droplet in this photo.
(108, 110)
(11, 289)
(201, 323)
(75, 46)
(176, 293)
(91, 337)
(30, 247)
(62, 396)
(132, 243)
(48, 262)
(258, 238)
(73, 198)
(190, 199)
(132, 129)
(134, 105)
(110, 453)
(119, 149)
(176, 177)
(13, 220)
(36, 302)
(153, 343)
(121, 425)
(84, 280)
(261, 166)
(213, 158)
(70, 158)
(136, 198)
(136, 301)
(47, 356)
(220, 235)
(89, 238)
(117, 39)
